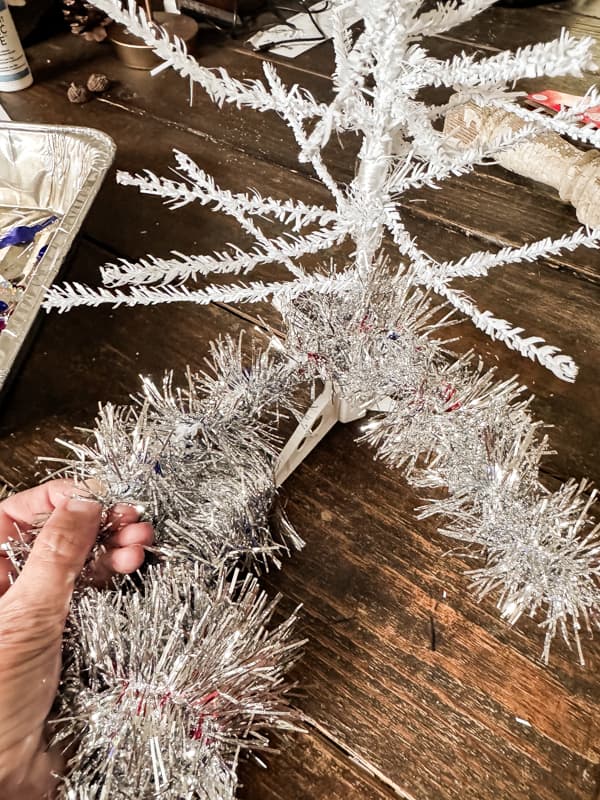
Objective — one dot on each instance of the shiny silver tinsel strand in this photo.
(454, 428)
(168, 681)
(219, 782)
(198, 459)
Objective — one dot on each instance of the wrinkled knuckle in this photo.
(28, 619)
(22, 627)
(58, 542)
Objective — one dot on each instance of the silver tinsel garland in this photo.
(198, 459)
(169, 677)
(452, 427)
(167, 681)
(218, 782)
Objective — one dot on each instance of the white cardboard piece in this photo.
(303, 28)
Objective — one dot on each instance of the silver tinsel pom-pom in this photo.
(168, 681)
(350, 338)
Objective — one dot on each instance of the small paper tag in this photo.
(554, 101)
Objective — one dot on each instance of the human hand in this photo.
(33, 612)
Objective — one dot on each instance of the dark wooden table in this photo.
(409, 687)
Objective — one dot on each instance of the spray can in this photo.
(14, 69)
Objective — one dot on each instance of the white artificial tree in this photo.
(376, 83)
(364, 324)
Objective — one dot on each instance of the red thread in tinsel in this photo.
(448, 392)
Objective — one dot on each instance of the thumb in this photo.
(59, 553)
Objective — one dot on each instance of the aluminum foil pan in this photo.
(49, 176)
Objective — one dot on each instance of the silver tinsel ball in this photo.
(167, 681)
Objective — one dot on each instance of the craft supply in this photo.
(302, 31)
(48, 178)
(14, 69)
(205, 11)
(228, 13)
(24, 234)
(554, 101)
(545, 157)
(24, 239)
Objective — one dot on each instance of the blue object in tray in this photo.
(21, 235)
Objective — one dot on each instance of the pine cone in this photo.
(97, 83)
(85, 20)
(78, 93)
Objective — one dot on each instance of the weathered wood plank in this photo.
(308, 767)
(500, 28)
(583, 8)
(374, 583)
(166, 97)
(438, 723)
(388, 585)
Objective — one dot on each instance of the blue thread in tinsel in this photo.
(24, 234)
(41, 254)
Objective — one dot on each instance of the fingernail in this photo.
(81, 505)
(122, 509)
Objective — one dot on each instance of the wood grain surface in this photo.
(409, 688)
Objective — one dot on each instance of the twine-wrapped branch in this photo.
(545, 157)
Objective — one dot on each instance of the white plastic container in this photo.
(14, 69)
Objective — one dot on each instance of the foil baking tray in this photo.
(49, 176)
